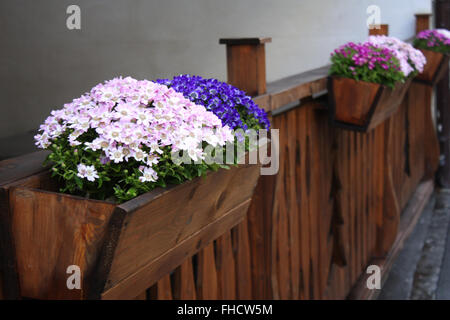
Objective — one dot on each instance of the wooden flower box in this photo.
(361, 106)
(435, 68)
(123, 249)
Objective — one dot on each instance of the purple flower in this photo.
(231, 105)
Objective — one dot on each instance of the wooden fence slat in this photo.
(243, 262)
(226, 270)
(301, 170)
(184, 288)
(293, 206)
(165, 288)
(207, 287)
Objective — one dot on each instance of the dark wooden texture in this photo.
(247, 64)
(174, 225)
(121, 249)
(408, 221)
(422, 21)
(442, 20)
(361, 106)
(381, 29)
(435, 68)
(12, 170)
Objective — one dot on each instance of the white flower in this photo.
(148, 175)
(82, 170)
(116, 154)
(91, 173)
(444, 32)
(139, 155)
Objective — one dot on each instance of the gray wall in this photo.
(43, 64)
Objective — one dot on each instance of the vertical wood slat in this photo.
(207, 287)
(293, 216)
(302, 192)
(184, 287)
(164, 291)
(243, 262)
(226, 270)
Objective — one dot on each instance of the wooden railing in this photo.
(334, 207)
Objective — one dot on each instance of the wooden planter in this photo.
(361, 106)
(121, 249)
(435, 68)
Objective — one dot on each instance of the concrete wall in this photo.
(43, 64)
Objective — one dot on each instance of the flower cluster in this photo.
(367, 62)
(435, 40)
(120, 135)
(412, 61)
(231, 105)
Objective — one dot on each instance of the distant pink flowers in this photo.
(129, 119)
(367, 54)
(435, 37)
(410, 58)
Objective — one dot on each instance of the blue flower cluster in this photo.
(231, 105)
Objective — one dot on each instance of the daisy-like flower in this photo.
(410, 58)
(115, 154)
(82, 170)
(91, 174)
(148, 175)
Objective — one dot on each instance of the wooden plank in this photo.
(312, 167)
(12, 170)
(297, 87)
(63, 229)
(155, 223)
(391, 207)
(9, 280)
(145, 276)
(352, 199)
(302, 196)
(226, 267)
(21, 167)
(431, 141)
(207, 287)
(282, 258)
(409, 220)
(142, 296)
(260, 227)
(184, 283)
(292, 206)
(165, 288)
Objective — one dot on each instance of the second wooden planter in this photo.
(361, 106)
(121, 250)
(435, 68)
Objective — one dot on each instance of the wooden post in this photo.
(246, 64)
(442, 10)
(246, 69)
(389, 218)
(379, 30)
(422, 21)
